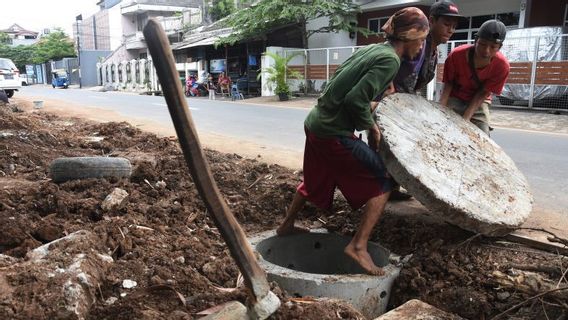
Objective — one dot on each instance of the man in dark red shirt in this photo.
(472, 73)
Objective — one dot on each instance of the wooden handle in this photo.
(163, 59)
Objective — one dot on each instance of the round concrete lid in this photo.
(450, 166)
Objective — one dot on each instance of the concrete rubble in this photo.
(65, 275)
(114, 199)
(417, 310)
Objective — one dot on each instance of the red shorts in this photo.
(343, 162)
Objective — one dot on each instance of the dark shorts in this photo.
(346, 163)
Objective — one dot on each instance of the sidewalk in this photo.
(521, 119)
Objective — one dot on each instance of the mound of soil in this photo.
(162, 238)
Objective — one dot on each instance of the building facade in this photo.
(20, 36)
(514, 14)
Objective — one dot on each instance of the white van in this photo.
(9, 77)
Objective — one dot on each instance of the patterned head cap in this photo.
(407, 24)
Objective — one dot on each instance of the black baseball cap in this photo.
(492, 30)
(445, 8)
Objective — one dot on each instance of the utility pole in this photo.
(77, 19)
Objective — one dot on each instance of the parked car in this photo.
(24, 79)
(9, 77)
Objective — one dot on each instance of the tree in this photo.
(4, 38)
(221, 9)
(20, 55)
(55, 46)
(265, 15)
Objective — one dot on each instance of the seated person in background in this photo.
(224, 83)
(211, 87)
(189, 85)
(194, 87)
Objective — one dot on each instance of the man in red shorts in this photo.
(334, 157)
(473, 72)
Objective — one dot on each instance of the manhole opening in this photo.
(318, 253)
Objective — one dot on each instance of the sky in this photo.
(36, 15)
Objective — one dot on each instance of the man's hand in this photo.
(374, 105)
(374, 138)
(475, 104)
(468, 114)
(446, 94)
(390, 90)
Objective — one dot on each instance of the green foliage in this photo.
(265, 15)
(221, 9)
(276, 76)
(20, 55)
(55, 46)
(4, 38)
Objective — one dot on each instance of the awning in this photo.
(203, 42)
(387, 4)
(202, 39)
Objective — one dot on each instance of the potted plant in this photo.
(276, 75)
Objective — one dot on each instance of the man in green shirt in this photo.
(334, 157)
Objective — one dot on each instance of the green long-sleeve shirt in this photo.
(344, 107)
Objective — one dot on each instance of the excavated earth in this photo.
(161, 237)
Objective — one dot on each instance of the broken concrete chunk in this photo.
(114, 199)
(450, 166)
(65, 275)
(129, 284)
(418, 310)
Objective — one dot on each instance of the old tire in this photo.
(64, 169)
(9, 93)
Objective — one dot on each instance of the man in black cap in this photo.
(472, 73)
(415, 74)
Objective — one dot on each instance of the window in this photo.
(141, 20)
(510, 19)
(467, 27)
(463, 23)
(477, 21)
(375, 24)
(460, 35)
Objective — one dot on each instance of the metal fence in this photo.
(538, 78)
(316, 66)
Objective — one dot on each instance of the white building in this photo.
(20, 36)
(119, 23)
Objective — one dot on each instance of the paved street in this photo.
(276, 132)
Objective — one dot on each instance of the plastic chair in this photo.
(235, 93)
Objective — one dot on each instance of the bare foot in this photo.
(287, 230)
(363, 258)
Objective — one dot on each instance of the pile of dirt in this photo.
(162, 239)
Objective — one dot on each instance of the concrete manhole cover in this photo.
(451, 166)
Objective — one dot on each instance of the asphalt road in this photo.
(542, 157)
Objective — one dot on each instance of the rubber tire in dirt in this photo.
(9, 93)
(64, 169)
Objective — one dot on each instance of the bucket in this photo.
(38, 104)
